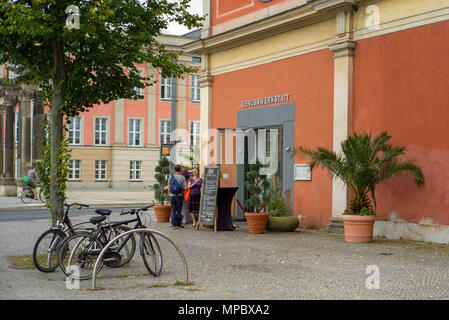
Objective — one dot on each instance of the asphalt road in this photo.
(40, 214)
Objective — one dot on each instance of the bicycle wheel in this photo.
(151, 254)
(125, 247)
(27, 195)
(78, 255)
(46, 250)
(42, 196)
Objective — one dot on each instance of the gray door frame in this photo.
(279, 115)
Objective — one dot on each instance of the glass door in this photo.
(265, 144)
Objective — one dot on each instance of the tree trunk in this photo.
(57, 194)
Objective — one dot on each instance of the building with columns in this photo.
(312, 72)
(21, 131)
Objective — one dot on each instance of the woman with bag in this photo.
(194, 185)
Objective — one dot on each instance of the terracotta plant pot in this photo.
(162, 213)
(257, 222)
(282, 224)
(358, 228)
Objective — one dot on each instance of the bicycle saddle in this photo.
(96, 220)
(103, 212)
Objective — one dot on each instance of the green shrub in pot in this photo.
(278, 206)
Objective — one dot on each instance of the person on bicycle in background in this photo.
(32, 174)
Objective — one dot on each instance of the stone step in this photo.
(336, 226)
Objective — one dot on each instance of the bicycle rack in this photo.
(110, 243)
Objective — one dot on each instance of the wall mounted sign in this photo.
(280, 98)
(303, 172)
(166, 150)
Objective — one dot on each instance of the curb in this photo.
(91, 206)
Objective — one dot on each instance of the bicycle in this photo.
(83, 248)
(27, 194)
(46, 248)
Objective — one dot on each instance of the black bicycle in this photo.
(46, 248)
(80, 251)
(27, 194)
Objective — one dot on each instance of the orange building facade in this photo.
(317, 71)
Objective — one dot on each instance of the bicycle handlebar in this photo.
(134, 211)
(76, 204)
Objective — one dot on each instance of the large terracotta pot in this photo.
(162, 213)
(358, 228)
(257, 222)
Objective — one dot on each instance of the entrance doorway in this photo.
(265, 145)
(269, 134)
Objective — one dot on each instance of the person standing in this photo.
(176, 185)
(32, 174)
(194, 185)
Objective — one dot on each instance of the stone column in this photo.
(2, 114)
(25, 134)
(205, 81)
(38, 131)
(8, 183)
(343, 101)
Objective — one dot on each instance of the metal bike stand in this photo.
(94, 276)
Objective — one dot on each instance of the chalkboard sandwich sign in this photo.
(207, 212)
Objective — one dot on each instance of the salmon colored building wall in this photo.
(103, 110)
(225, 10)
(309, 80)
(401, 85)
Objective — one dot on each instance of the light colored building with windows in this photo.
(117, 145)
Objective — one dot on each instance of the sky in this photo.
(196, 6)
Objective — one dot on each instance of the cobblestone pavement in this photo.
(304, 264)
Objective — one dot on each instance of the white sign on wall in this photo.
(303, 172)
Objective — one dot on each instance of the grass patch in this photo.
(182, 283)
(160, 285)
(22, 262)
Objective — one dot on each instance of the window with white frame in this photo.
(140, 91)
(194, 88)
(74, 169)
(164, 131)
(101, 129)
(165, 84)
(194, 133)
(74, 134)
(100, 170)
(135, 132)
(135, 170)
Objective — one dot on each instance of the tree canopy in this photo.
(100, 53)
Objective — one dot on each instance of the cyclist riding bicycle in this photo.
(34, 179)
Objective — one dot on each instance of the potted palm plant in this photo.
(257, 186)
(363, 163)
(162, 211)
